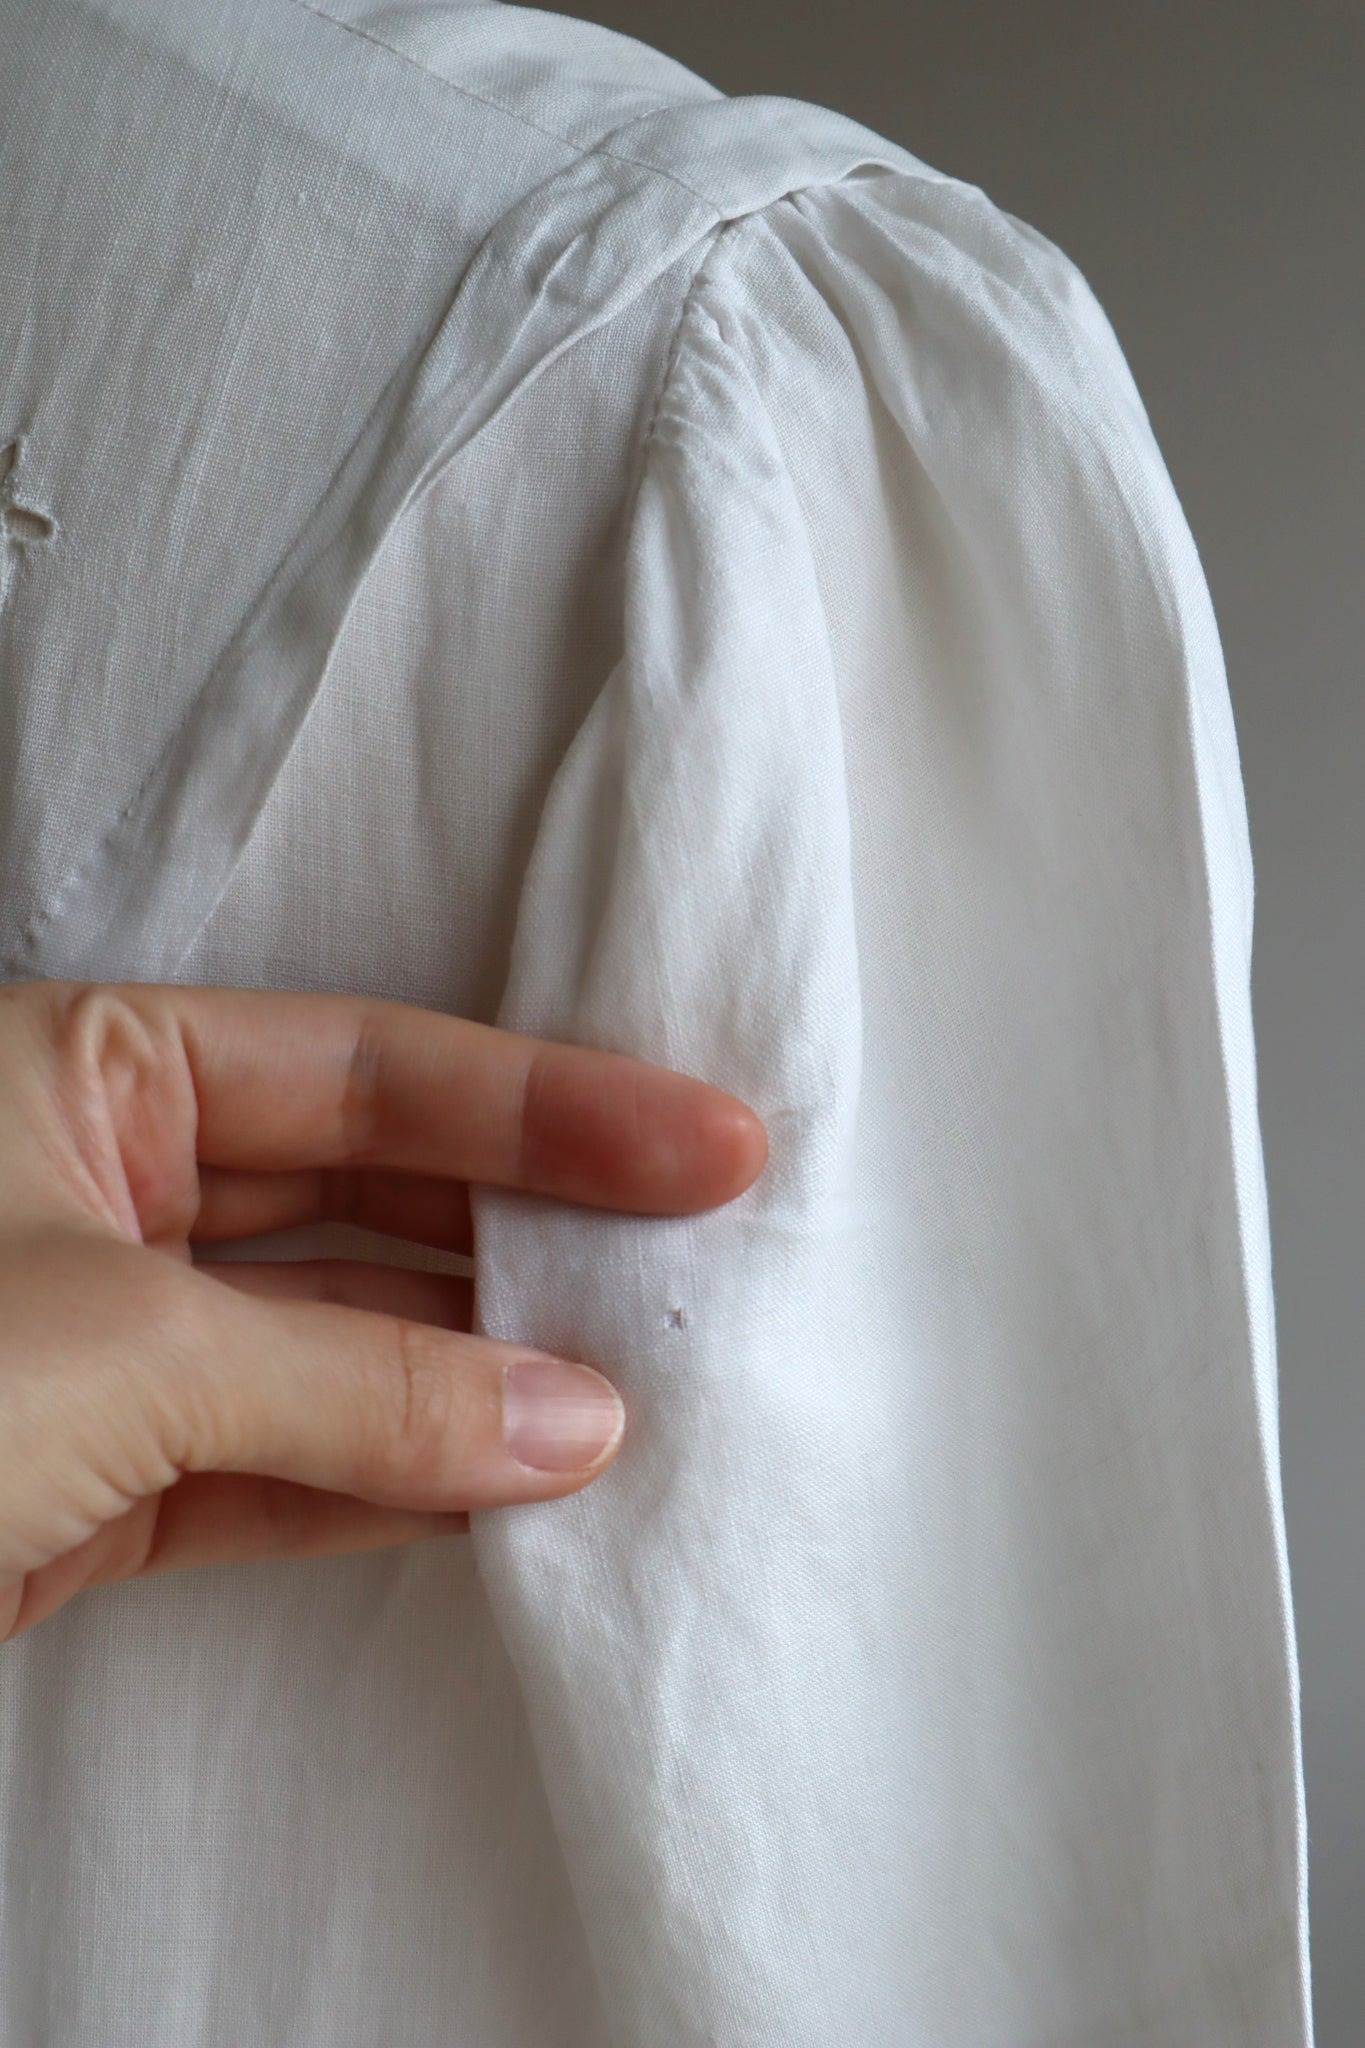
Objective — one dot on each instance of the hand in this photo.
(155, 1413)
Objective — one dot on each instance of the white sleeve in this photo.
(923, 1671)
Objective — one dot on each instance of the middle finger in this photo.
(415, 1206)
(444, 1300)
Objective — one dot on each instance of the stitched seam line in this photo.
(45, 913)
(712, 249)
(579, 149)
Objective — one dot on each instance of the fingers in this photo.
(237, 1518)
(379, 1406)
(292, 1081)
(445, 1301)
(125, 1371)
(418, 1207)
(214, 1518)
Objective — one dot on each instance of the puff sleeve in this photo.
(924, 1670)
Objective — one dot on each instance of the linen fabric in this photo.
(520, 532)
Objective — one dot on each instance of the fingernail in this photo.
(557, 1416)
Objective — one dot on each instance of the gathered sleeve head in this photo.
(924, 1665)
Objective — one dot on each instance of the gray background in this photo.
(1202, 161)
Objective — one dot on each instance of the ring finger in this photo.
(444, 1300)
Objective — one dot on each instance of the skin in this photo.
(157, 1412)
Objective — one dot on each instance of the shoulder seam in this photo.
(454, 85)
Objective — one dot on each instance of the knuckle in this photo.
(126, 1096)
(362, 1093)
(95, 1025)
(536, 1121)
(426, 1402)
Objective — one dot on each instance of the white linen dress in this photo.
(491, 522)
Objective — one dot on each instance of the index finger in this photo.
(303, 1080)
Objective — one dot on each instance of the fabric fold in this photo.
(531, 536)
(901, 1683)
(574, 249)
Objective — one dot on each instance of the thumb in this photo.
(122, 1370)
(386, 1409)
